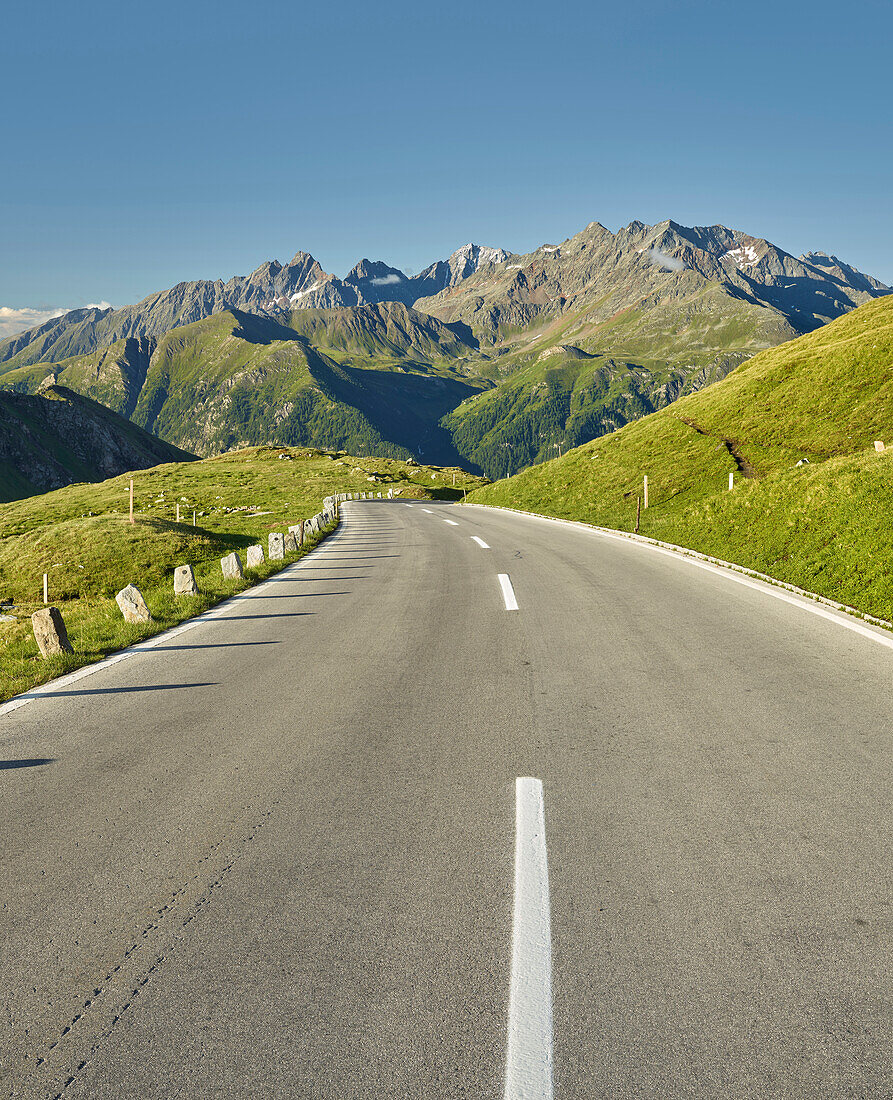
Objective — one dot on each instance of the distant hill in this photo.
(58, 437)
(240, 379)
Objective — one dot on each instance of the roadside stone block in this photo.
(291, 543)
(879, 445)
(232, 567)
(132, 605)
(255, 556)
(49, 632)
(184, 581)
(276, 546)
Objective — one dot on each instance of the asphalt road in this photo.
(274, 855)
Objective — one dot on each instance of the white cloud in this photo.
(387, 280)
(17, 320)
(13, 321)
(661, 259)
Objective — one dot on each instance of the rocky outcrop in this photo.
(60, 437)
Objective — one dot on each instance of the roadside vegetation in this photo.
(812, 503)
(81, 537)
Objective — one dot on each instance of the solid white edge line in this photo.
(508, 593)
(483, 545)
(529, 1060)
(51, 686)
(809, 601)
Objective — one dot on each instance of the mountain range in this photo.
(488, 358)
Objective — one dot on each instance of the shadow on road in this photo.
(296, 596)
(110, 691)
(278, 615)
(6, 765)
(209, 645)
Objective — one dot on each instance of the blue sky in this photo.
(147, 144)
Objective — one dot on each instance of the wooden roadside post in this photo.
(178, 513)
(193, 517)
(731, 480)
(131, 500)
(46, 594)
(638, 512)
(646, 490)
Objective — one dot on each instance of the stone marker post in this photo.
(291, 545)
(232, 567)
(276, 546)
(255, 556)
(49, 632)
(133, 606)
(184, 581)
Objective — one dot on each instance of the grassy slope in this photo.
(646, 357)
(80, 537)
(825, 526)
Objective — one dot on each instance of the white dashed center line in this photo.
(480, 542)
(451, 522)
(508, 593)
(428, 510)
(528, 1070)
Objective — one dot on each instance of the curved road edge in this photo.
(850, 617)
(25, 697)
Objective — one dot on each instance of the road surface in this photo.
(274, 856)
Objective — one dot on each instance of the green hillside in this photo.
(381, 332)
(80, 536)
(826, 525)
(239, 379)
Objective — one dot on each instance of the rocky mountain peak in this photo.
(375, 271)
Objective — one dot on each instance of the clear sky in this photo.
(144, 144)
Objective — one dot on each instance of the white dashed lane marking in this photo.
(508, 593)
(528, 1069)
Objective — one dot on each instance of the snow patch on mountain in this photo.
(298, 295)
(745, 256)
